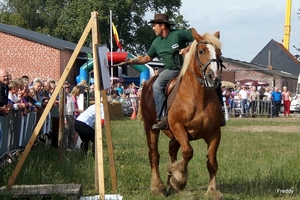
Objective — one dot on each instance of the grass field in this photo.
(258, 159)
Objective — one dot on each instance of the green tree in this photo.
(36, 15)
(66, 19)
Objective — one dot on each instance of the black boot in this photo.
(220, 96)
(161, 125)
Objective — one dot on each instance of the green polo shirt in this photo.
(168, 48)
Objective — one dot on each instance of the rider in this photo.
(169, 45)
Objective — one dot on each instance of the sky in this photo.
(246, 26)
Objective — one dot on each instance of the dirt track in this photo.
(268, 128)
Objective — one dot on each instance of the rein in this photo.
(203, 68)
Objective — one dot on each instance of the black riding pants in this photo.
(86, 134)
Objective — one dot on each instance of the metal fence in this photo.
(16, 130)
(240, 108)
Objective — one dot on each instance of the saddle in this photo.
(171, 90)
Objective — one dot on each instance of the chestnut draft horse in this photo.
(195, 113)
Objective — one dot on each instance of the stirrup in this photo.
(161, 125)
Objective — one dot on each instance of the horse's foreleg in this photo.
(173, 151)
(212, 166)
(178, 169)
(157, 186)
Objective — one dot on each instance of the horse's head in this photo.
(204, 56)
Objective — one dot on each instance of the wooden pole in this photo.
(61, 124)
(109, 143)
(99, 165)
(49, 105)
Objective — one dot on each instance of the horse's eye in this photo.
(201, 51)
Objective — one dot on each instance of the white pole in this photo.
(298, 85)
(111, 49)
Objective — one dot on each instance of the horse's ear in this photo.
(217, 34)
(194, 31)
(196, 36)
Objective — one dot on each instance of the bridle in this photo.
(203, 67)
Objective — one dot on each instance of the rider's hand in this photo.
(184, 50)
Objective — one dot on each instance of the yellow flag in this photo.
(116, 36)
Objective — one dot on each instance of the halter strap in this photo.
(204, 66)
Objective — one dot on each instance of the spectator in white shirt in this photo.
(244, 102)
(84, 124)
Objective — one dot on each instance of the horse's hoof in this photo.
(159, 193)
(159, 190)
(171, 190)
(214, 195)
(178, 181)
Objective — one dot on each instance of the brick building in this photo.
(24, 52)
(238, 70)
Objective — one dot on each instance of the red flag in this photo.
(116, 36)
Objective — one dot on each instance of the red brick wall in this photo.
(65, 56)
(23, 57)
(256, 75)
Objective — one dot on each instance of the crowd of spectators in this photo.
(20, 94)
(25, 96)
(251, 101)
(126, 94)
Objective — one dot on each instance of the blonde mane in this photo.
(207, 37)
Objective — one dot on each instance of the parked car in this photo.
(295, 103)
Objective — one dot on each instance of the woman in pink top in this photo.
(75, 93)
(286, 95)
